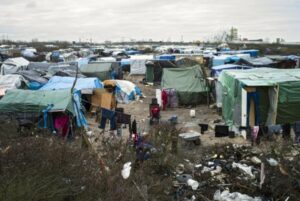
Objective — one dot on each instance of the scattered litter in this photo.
(272, 162)
(255, 160)
(126, 170)
(246, 169)
(235, 196)
(198, 166)
(206, 169)
(183, 178)
(216, 171)
(192, 183)
(180, 169)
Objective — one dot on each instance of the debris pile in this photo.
(233, 172)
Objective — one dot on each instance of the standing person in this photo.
(297, 131)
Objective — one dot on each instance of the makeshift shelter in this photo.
(252, 53)
(216, 70)
(257, 62)
(167, 57)
(138, 64)
(44, 104)
(85, 85)
(224, 59)
(13, 65)
(154, 69)
(11, 82)
(125, 91)
(41, 67)
(101, 70)
(189, 83)
(186, 62)
(63, 69)
(34, 79)
(285, 62)
(262, 96)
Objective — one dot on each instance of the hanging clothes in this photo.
(297, 131)
(111, 116)
(172, 98)
(254, 134)
(61, 125)
(164, 98)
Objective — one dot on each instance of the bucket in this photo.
(192, 113)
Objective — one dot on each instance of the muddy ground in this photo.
(140, 111)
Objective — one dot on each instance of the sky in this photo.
(118, 20)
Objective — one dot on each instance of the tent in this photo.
(257, 62)
(138, 64)
(11, 82)
(167, 57)
(190, 84)
(41, 67)
(101, 70)
(34, 78)
(85, 85)
(13, 65)
(154, 69)
(216, 70)
(43, 102)
(261, 96)
(125, 91)
(224, 59)
(252, 53)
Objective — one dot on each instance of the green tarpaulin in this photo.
(27, 101)
(101, 70)
(262, 79)
(190, 84)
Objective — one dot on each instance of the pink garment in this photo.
(61, 124)
(164, 97)
(254, 133)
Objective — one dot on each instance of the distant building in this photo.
(234, 34)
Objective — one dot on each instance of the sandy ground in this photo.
(140, 111)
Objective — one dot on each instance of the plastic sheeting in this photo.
(13, 65)
(126, 91)
(189, 83)
(235, 196)
(10, 82)
(216, 70)
(101, 70)
(33, 76)
(27, 101)
(57, 82)
(288, 98)
(138, 64)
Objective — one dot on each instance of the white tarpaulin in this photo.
(13, 65)
(10, 82)
(138, 64)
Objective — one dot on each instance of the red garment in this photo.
(61, 124)
(164, 97)
(155, 111)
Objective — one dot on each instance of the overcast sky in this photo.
(144, 19)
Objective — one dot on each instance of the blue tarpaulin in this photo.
(57, 82)
(166, 57)
(224, 59)
(216, 70)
